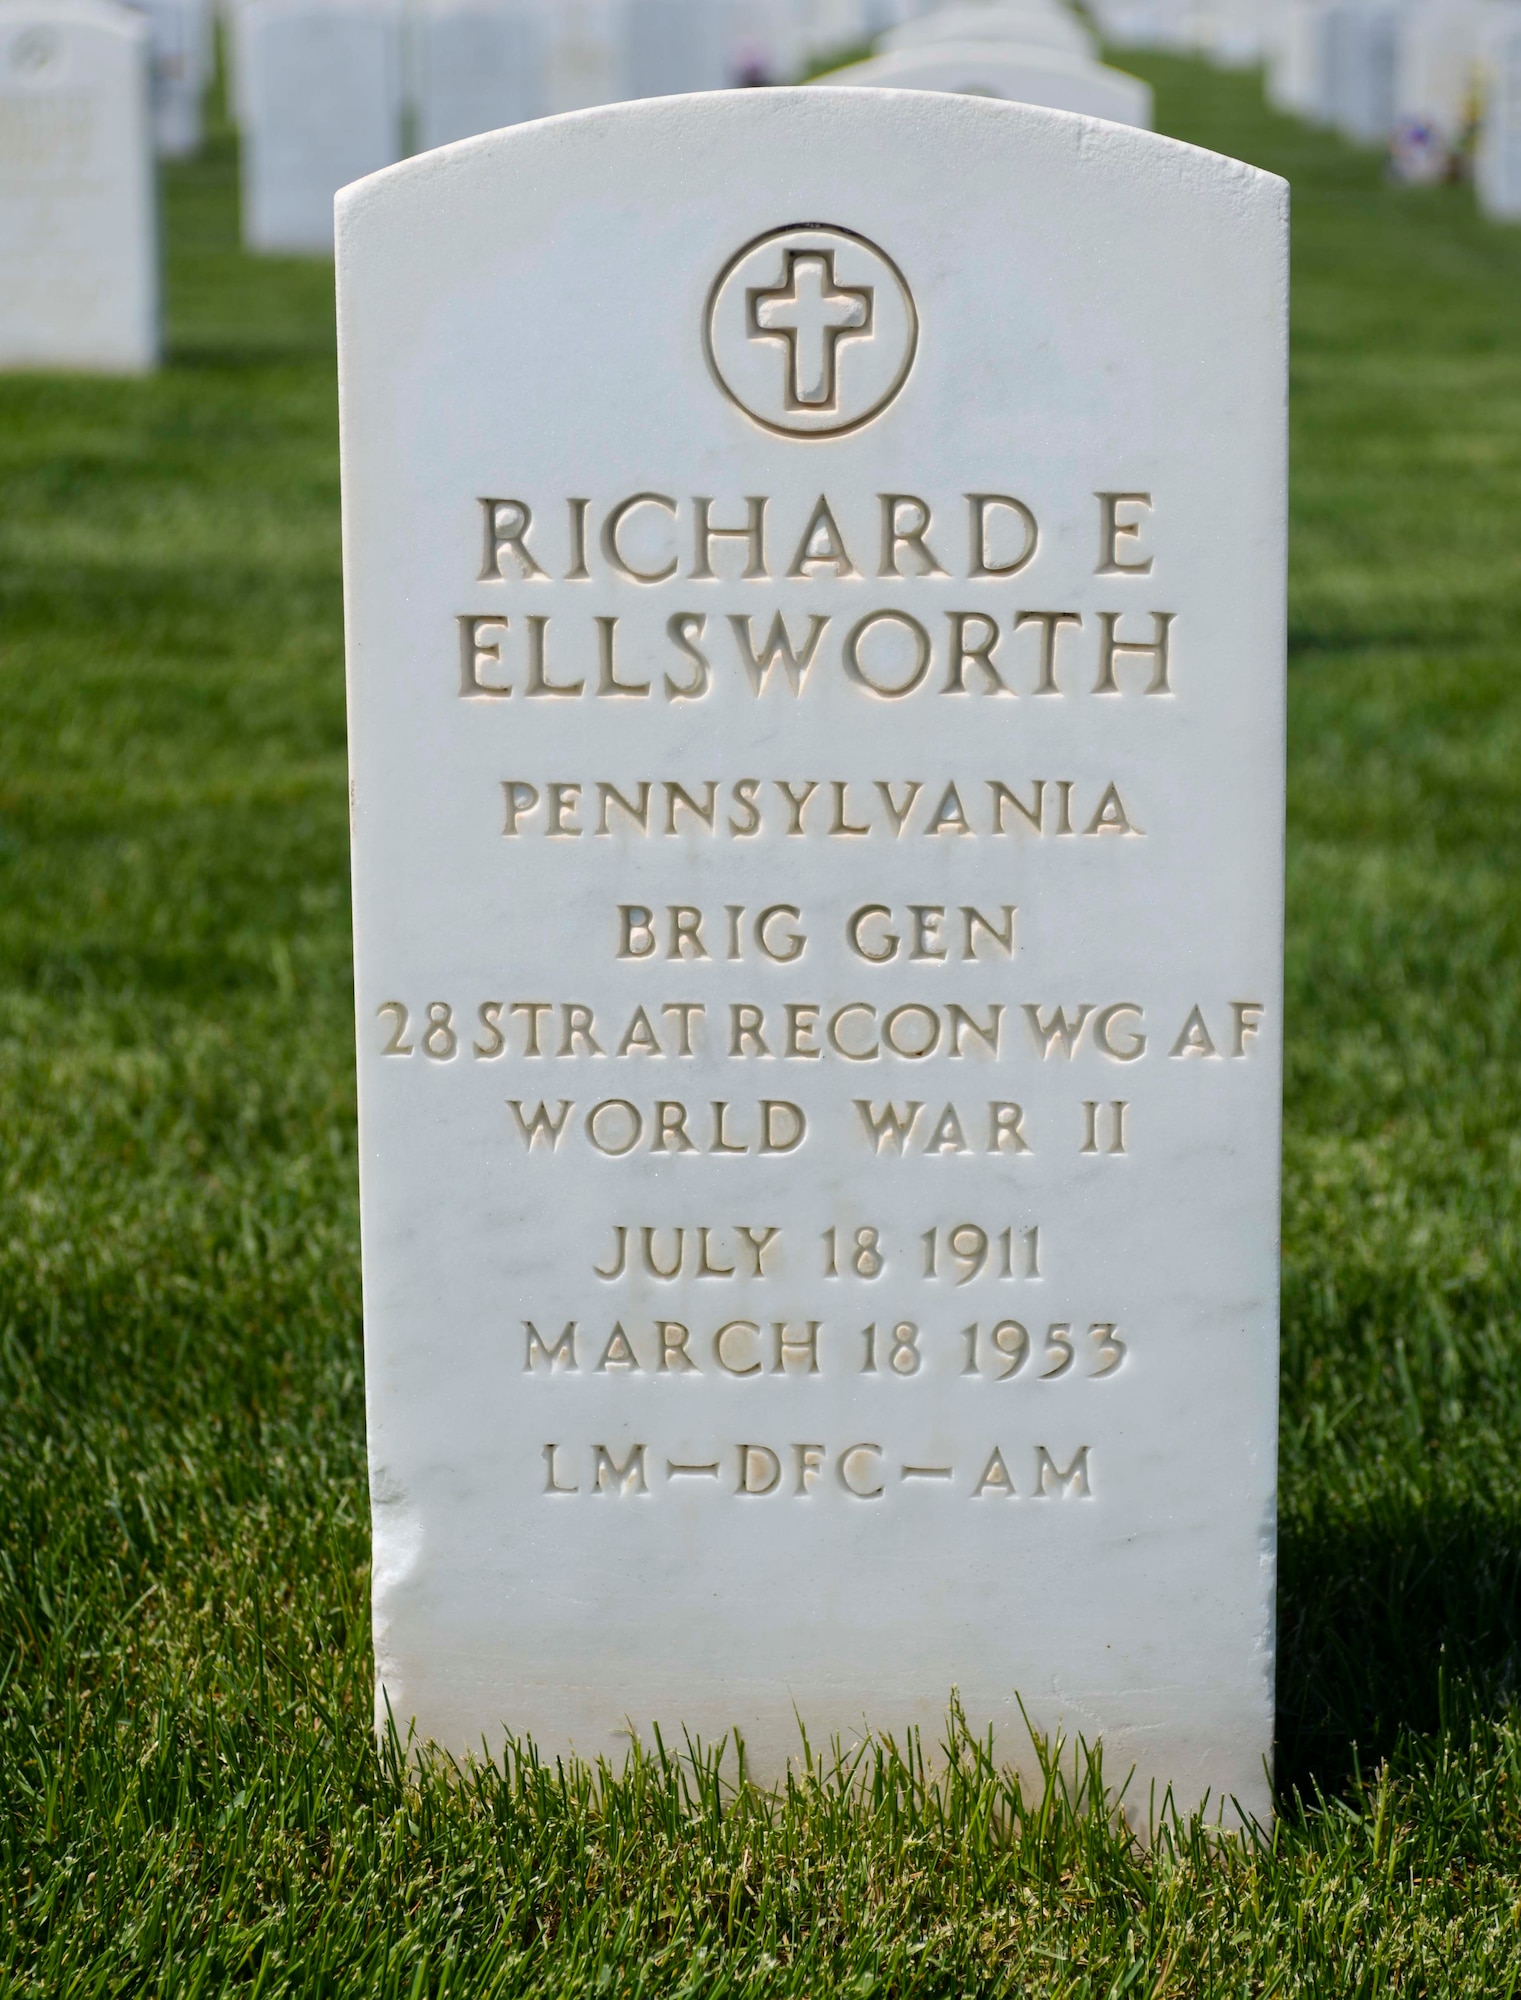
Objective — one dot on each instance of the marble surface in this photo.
(814, 568)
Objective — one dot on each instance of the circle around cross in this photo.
(810, 330)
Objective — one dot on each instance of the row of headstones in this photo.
(1436, 81)
(455, 62)
(1026, 51)
(324, 89)
(327, 91)
(90, 89)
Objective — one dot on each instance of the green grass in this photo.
(190, 1800)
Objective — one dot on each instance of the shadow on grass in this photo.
(234, 356)
(1410, 1621)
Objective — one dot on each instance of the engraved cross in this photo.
(812, 314)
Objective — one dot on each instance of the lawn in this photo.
(190, 1798)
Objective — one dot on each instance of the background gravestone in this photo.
(1235, 32)
(181, 64)
(78, 243)
(1037, 27)
(815, 634)
(320, 97)
(765, 41)
(1497, 166)
(582, 50)
(1436, 76)
(832, 27)
(1361, 41)
(1299, 70)
(673, 45)
(1001, 69)
(480, 65)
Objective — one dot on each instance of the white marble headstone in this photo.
(1497, 163)
(582, 49)
(78, 235)
(815, 597)
(1128, 24)
(479, 65)
(1298, 67)
(181, 64)
(1236, 30)
(765, 42)
(1004, 69)
(320, 97)
(668, 46)
(1362, 41)
(1436, 77)
(830, 27)
(978, 21)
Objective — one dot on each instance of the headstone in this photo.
(1004, 69)
(817, 702)
(1234, 35)
(479, 65)
(977, 21)
(1362, 39)
(581, 53)
(670, 46)
(181, 65)
(1497, 162)
(877, 16)
(832, 28)
(1180, 23)
(1128, 24)
(763, 41)
(78, 247)
(1298, 62)
(1437, 75)
(321, 96)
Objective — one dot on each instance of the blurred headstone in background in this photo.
(1234, 32)
(1413, 77)
(1436, 84)
(1362, 52)
(1006, 70)
(763, 42)
(478, 64)
(833, 28)
(1029, 23)
(320, 94)
(78, 236)
(1128, 24)
(1151, 24)
(181, 65)
(581, 57)
(1497, 165)
(1296, 62)
(670, 46)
